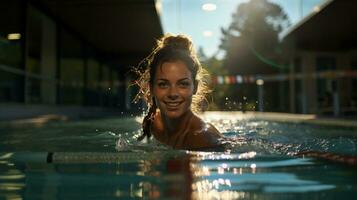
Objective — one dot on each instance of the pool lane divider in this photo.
(86, 157)
(239, 159)
(303, 158)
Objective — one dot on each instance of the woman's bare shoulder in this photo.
(204, 127)
(202, 134)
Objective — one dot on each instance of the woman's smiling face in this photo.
(173, 88)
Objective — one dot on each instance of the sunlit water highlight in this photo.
(101, 159)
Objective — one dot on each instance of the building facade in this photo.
(322, 50)
(73, 52)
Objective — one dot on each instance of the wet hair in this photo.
(170, 48)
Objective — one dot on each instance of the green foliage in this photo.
(251, 46)
(214, 66)
(251, 41)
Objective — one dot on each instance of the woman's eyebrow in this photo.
(162, 79)
(183, 79)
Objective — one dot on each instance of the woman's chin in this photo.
(173, 114)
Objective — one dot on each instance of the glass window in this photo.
(106, 84)
(11, 61)
(325, 87)
(71, 70)
(299, 101)
(354, 83)
(41, 58)
(93, 80)
(33, 58)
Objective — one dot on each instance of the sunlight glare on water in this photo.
(232, 176)
(248, 133)
(258, 162)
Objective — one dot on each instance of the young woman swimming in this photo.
(172, 82)
(173, 85)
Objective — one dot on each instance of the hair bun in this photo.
(180, 42)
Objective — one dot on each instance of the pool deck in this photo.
(288, 117)
(40, 115)
(22, 114)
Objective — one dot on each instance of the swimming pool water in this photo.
(100, 159)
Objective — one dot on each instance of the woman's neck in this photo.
(176, 125)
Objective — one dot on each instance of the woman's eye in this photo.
(162, 84)
(184, 84)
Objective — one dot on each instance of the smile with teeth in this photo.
(172, 104)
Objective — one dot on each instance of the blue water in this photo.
(100, 159)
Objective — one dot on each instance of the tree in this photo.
(214, 66)
(252, 37)
(251, 44)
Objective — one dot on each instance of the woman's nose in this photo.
(173, 93)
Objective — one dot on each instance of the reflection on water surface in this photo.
(258, 164)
